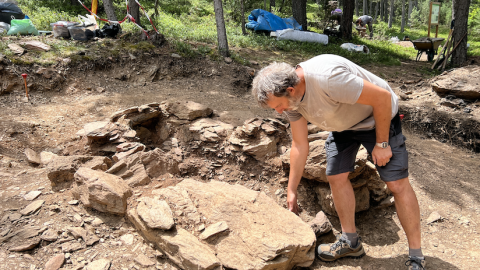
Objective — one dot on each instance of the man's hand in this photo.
(292, 201)
(381, 156)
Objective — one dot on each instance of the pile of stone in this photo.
(201, 225)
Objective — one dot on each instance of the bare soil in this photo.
(444, 176)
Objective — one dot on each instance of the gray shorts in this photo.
(342, 148)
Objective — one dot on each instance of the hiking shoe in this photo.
(416, 263)
(339, 249)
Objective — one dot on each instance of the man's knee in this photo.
(399, 186)
(338, 179)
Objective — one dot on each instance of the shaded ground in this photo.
(444, 177)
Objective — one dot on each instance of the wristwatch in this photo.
(382, 145)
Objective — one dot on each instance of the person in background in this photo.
(366, 20)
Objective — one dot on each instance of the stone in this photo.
(32, 156)
(78, 232)
(189, 110)
(101, 264)
(16, 49)
(121, 155)
(128, 239)
(271, 228)
(97, 222)
(32, 207)
(461, 82)
(260, 147)
(26, 246)
(32, 195)
(320, 224)
(29, 232)
(155, 213)
(312, 129)
(47, 157)
(180, 246)
(35, 45)
(434, 217)
(101, 191)
(213, 230)
(71, 247)
(92, 127)
(324, 194)
(209, 130)
(49, 235)
(387, 202)
(158, 163)
(62, 169)
(143, 260)
(55, 262)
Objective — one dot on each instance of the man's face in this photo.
(281, 104)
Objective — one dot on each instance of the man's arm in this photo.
(381, 101)
(298, 158)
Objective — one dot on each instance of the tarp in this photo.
(262, 20)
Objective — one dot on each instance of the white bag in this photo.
(290, 34)
(355, 48)
(89, 20)
(4, 27)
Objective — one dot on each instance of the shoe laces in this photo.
(337, 244)
(415, 262)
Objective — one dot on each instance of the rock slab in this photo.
(101, 191)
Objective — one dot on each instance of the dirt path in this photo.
(445, 178)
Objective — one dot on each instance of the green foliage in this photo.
(184, 49)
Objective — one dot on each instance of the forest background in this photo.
(189, 25)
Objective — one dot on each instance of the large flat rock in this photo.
(260, 235)
(461, 82)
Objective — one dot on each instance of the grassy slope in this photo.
(193, 23)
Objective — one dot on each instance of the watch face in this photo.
(384, 144)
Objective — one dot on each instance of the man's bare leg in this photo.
(408, 210)
(344, 199)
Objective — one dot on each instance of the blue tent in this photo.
(262, 20)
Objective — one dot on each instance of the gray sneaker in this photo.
(339, 249)
(416, 263)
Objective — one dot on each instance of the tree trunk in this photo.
(264, 4)
(347, 18)
(299, 10)
(377, 4)
(244, 32)
(390, 19)
(356, 7)
(385, 10)
(365, 7)
(156, 8)
(404, 15)
(370, 10)
(221, 31)
(74, 3)
(272, 4)
(410, 8)
(381, 10)
(460, 15)
(110, 10)
(134, 10)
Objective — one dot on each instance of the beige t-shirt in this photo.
(333, 85)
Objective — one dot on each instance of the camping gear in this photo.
(111, 30)
(22, 27)
(262, 20)
(9, 10)
(290, 34)
(60, 28)
(428, 46)
(24, 75)
(81, 32)
(4, 27)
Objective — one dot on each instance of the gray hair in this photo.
(273, 79)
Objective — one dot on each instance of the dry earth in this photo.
(64, 98)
